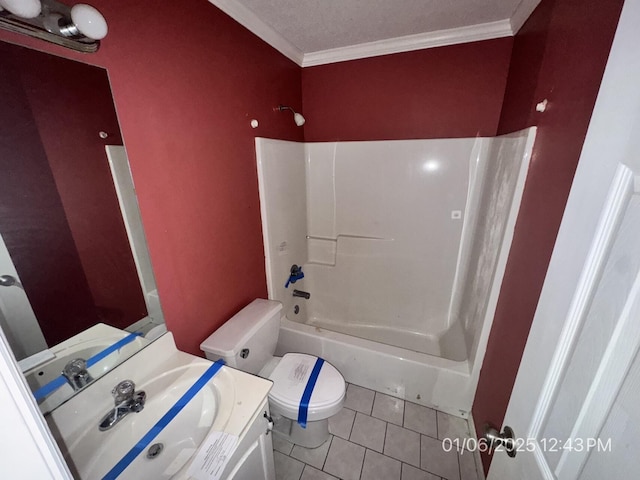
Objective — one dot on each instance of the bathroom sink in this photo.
(93, 453)
(226, 403)
(89, 344)
(85, 345)
(43, 374)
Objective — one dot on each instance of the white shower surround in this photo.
(353, 213)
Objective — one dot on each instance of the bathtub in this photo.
(429, 380)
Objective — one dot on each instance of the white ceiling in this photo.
(313, 32)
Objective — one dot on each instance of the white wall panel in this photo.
(283, 205)
(501, 185)
(388, 206)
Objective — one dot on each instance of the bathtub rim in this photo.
(433, 382)
(459, 367)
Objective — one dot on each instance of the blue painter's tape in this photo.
(163, 422)
(48, 388)
(294, 277)
(308, 390)
(109, 350)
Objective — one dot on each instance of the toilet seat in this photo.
(290, 379)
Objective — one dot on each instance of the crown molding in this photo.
(251, 22)
(440, 38)
(522, 12)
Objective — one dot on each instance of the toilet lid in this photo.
(290, 378)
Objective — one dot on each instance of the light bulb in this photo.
(22, 8)
(299, 119)
(89, 21)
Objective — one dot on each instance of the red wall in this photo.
(560, 55)
(186, 82)
(453, 91)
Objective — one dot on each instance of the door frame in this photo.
(612, 139)
(25, 431)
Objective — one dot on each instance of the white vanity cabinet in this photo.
(253, 459)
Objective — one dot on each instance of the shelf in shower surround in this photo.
(324, 250)
(342, 235)
(320, 263)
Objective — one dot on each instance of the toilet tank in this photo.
(247, 341)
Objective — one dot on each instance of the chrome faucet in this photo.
(127, 400)
(301, 294)
(76, 373)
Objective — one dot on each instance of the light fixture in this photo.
(85, 20)
(79, 27)
(22, 8)
(297, 117)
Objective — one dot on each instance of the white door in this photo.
(575, 404)
(17, 319)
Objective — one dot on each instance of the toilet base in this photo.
(314, 435)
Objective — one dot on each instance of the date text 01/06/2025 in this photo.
(528, 445)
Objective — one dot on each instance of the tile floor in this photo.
(378, 437)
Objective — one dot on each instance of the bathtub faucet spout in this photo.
(301, 294)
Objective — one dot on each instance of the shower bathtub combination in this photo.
(403, 245)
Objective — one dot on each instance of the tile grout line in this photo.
(437, 436)
(420, 433)
(352, 425)
(420, 454)
(363, 459)
(327, 455)
(384, 438)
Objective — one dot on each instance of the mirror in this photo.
(75, 274)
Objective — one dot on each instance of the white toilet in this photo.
(248, 341)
